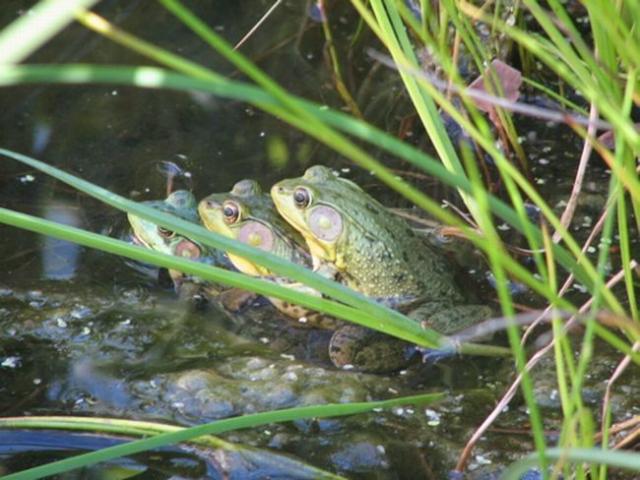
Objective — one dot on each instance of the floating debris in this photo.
(11, 362)
(26, 178)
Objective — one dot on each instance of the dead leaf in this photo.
(509, 87)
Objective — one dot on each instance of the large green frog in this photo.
(374, 252)
(182, 204)
(248, 215)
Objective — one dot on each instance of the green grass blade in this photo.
(506, 302)
(148, 77)
(282, 267)
(614, 458)
(396, 40)
(36, 27)
(136, 428)
(413, 333)
(217, 427)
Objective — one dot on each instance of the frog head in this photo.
(181, 204)
(248, 215)
(323, 208)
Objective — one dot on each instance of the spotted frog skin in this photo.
(182, 204)
(248, 215)
(376, 253)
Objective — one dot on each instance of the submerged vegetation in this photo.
(581, 58)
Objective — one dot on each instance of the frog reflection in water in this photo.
(376, 253)
(181, 204)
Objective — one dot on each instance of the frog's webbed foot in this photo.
(447, 320)
(433, 356)
(362, 349)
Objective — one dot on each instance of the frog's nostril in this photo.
(276, 190)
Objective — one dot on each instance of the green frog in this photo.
(248, 215)
(354, 239)
(182, 204)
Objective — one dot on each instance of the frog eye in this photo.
(165, 233)
(231, 212)
(301, 197)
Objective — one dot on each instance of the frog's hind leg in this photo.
(448, 320)
(366, 350)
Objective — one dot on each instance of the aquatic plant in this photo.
(600, 65)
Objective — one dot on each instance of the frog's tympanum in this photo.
(376, 253)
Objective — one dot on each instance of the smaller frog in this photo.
(182, 204)
(248, 215)
(376, 253)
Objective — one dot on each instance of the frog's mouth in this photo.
(281, 197)
(210, 210)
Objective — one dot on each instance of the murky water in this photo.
(82, 332)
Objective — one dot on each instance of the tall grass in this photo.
(601, 66)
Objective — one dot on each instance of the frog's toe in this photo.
(433, 356)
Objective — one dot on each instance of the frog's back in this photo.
(387, 258)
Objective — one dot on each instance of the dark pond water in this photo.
(84, 333)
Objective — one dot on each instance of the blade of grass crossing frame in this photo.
(220, 426)
(153, 78)
(37, 26)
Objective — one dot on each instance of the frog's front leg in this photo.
(327, 270)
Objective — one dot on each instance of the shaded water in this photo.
(84, 333)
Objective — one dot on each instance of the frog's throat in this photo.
(320, 251)
(247, 266)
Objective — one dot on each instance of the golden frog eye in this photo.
(301, 197)
(231, 212)
(165, 233)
